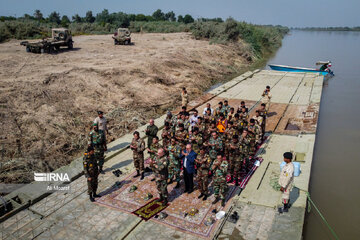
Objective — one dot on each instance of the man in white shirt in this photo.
(102, 122)
(208, 105)
(194, 118)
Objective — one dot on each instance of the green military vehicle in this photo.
(60, 37)
(122, 37)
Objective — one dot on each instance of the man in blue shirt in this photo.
(189, 157)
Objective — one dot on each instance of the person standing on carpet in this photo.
(161, 175)
(220, 168)
(189, 157)
(285, 180)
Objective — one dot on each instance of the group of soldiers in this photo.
(223, 139)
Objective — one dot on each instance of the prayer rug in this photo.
(150, 209)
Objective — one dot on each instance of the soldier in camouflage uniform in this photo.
(138, 146)
(151, 131)
(200, 125)
(230, 131)
(245, 148)
(215, 146)
(152, 150)
(220, 168)
(263, 114)
(203, 162)
(226, 108)
(166, 135)
(196, 140)
(174, 151)
(244, 116)
(161, 173)
(182, 136)
(220, 109)
(235, 158)
(256, 131)
(187, 122)
(180, 120)
(97, 140)
(231, 114)
(91, 172)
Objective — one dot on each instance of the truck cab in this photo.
(122, 36)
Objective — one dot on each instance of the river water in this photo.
(335, 175)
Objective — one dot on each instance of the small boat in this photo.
(285, 68)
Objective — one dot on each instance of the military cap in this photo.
(100, 112)
(288, 155)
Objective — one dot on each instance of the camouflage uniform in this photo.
(174, 161)
(151, 132)
(98, 141)
(227, 110)
(154, 148)
(229, 133)
(244, 116)
(203, 163)
(218, 148)
(186, 124)
(138, 153)
(197, 142)
(91, 171)
(234, 157)
(218, 111)
(220, 186)
(166, 136)
(161, 174)
(256, 130)
(263, 114)
(245, 145)
(182, 137)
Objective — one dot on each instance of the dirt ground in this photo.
(47, 102)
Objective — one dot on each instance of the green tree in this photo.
(103, 17)
(131, 17)
(38, 15)
(170, 16)
(188, 19)
(158, 15)
(180, 18)
(76, 18)
(140, 18)
(89, 18)
(65, 21)
(54, 17)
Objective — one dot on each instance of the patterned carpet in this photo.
(120, 197)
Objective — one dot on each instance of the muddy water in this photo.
(335, 176)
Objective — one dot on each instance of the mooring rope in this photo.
(318, 211)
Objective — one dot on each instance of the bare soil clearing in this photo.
(47, 102)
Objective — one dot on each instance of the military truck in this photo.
(60, 37)
(122, 37)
